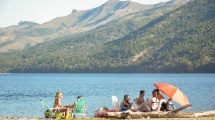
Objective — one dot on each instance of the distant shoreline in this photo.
(97, 73)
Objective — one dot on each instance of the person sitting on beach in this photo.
(125, 104)
(140, 99)
(74, 104)
(142, 105)
(165, 103)
(156, 103)
(57, 104)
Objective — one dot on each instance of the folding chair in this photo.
(51, 112)
(80, 107)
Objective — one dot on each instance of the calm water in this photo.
(20, 93)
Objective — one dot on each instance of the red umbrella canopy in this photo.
(173, 92)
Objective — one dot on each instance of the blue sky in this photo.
(40, 11)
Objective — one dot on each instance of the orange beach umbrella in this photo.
(172, 92)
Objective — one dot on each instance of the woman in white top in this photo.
(154, 101)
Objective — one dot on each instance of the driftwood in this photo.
(205, 114)
(170, 114)
(139, 115)
(181, 108)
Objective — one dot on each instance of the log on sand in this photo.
(139, 115)
(205, 114)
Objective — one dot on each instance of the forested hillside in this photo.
(159, 40)
(181, 41)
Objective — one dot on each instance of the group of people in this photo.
(156, 103)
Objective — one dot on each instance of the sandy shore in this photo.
(201, 118)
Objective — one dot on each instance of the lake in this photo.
(20, 93)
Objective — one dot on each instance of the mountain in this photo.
(83, 43)
(18, 37)
(172, 3)
(181, 41)
(111, 10)
(28, 23)
(158, 40)
(178, 2)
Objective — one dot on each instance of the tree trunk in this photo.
(139, 115)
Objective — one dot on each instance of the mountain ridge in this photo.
(160, 40)
(17, 37)
(165, 52)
